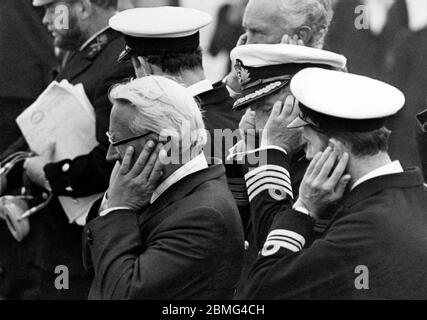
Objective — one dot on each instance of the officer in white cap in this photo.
(264, 73)
(376, 209)
(165, 41)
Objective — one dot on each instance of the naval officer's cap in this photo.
(160, 30)
(263, 69)
(343, 102)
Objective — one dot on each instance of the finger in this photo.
(328, 165)
(296, 110)
(313, 163)
(127, 160)
(142, 159)
(342, 185)
(321, 162)
(288, 107)
(148, 168)
(157, 172)
(339, 169)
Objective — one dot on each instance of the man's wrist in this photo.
(302, 208)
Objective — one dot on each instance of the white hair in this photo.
(316, 14)
(164, 107)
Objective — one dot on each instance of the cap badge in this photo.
(242, 73)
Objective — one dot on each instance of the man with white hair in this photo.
(303, 22)
(306, 20)
(169, 228)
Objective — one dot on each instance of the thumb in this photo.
(342, 185)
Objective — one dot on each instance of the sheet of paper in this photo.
(62, 114)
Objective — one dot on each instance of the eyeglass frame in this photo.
(124, 141)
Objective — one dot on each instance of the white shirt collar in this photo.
(84, 45)
(197, 164)
(391, 168)
(200, 87)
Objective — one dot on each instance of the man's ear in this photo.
(304, 33)
(85, 9)
(339, 146)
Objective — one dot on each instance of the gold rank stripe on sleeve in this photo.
(272, 178)
(286, 239)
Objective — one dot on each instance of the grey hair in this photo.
(164, 107)
(316, 14)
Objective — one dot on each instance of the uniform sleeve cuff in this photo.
(271, 175)
(290, 231)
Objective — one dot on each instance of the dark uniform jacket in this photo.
(221, 122)
(187, 245)
(53, 240)
(378, 232)
(26, 61)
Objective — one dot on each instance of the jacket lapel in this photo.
(181, 189)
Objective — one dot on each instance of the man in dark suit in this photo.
(92, 60)
(169, 227)
(374, 246)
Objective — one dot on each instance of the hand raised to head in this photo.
(276, 132)
(134, 184)
(324, 182)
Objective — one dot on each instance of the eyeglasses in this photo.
(121, 142)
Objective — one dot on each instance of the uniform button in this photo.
(69, 189)
(66, 167)
(247, 245)
(89, 237)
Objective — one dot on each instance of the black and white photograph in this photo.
(213, 156)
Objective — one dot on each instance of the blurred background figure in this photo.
(368, 48)
(228, 28)
(411, 77)
(391, 47)
(26, 61)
